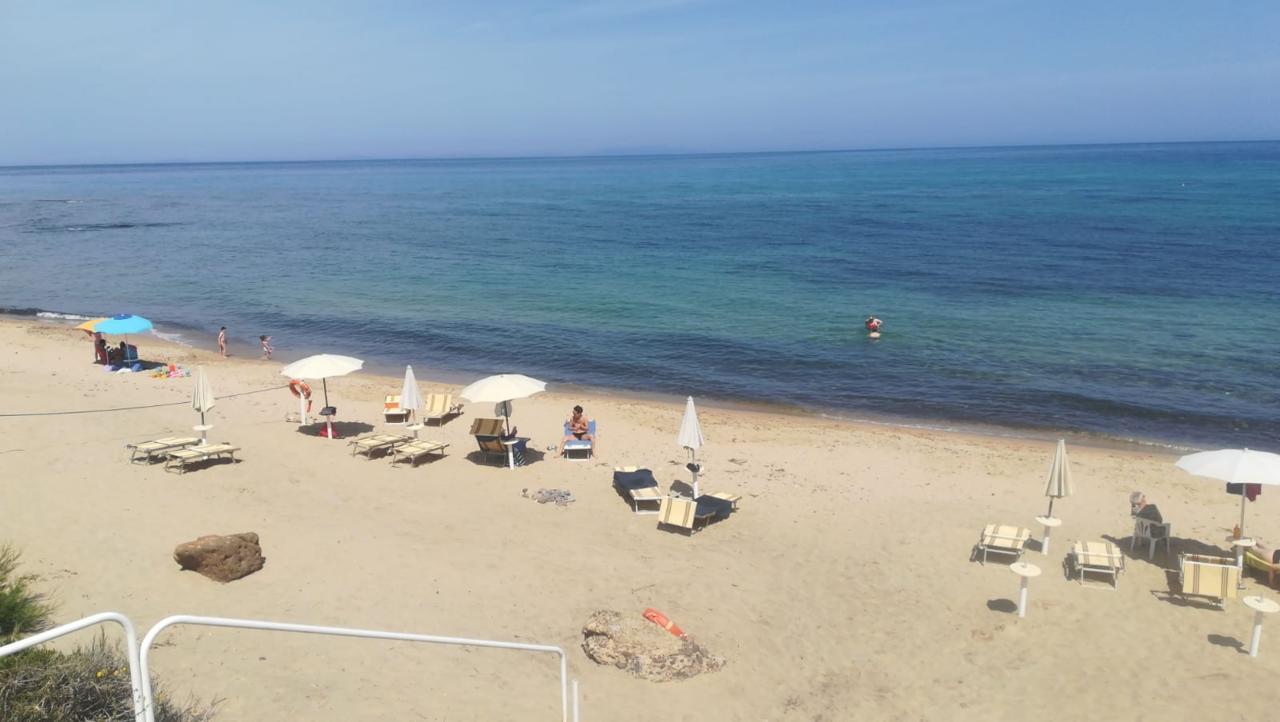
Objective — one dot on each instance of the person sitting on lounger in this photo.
(578, 428)
(1263, 550)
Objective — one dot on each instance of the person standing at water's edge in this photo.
(222, 341)
(266, 347)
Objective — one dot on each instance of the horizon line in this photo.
(588, 156)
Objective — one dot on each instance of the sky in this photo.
(156, 81)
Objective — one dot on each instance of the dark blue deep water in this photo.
(1130, 291)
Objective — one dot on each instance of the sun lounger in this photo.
(417, 450)
(1100, 557)
(574, 446)
(731, 499)
(440, 408)
(376, 442)
(1001, 539)
(638, 486)
(392, 413)
(180, 459)
(1253, 559)
(149, 451)
(1201, 575)
(684, 513)
(488, 433)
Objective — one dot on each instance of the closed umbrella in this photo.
(1059, 483)
(410, 397)
(503, 388)
(690, 437)
(1234, 466)
(202, 400)
(322, 366)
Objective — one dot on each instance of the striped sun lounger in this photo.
(417, 450)
(439, 408)
(1099, 557)
(1002, 539)
(377, 442)
(148, 451)
(180, 459)
(689, 514)
(1201, 575)
(638, 487)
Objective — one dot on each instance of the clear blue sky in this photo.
(90, 81)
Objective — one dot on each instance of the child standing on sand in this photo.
(266, 347)
(222, 341)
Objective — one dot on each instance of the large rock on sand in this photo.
(644, 649)
(221, 558)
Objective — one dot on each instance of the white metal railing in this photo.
(141, 710)
(140, 655)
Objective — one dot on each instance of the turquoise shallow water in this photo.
(1121, 290)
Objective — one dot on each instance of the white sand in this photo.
(841, 590)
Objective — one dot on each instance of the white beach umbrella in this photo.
(1234, 466)
(322, 366)
(690, 437)
(202, 399)
(1059, 483)
(410, 397)
(503, 388)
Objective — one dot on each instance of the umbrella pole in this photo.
(1050, 514)
(328, 419)
(693, 455)
(1243, 498)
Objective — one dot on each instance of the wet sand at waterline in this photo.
(841, 589)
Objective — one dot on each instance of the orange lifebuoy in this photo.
(300, 389)
(661, 620)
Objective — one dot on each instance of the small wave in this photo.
(63, 316)
(100, 227)
(171, 337)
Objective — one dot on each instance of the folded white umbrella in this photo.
(202, 398)
(410, 397)
(1234, 466)
(1059, 483)
(501, 389)
(690, 437)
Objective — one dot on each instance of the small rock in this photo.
(634, 644)
(221, 558)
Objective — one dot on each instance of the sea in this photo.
(1123, 292)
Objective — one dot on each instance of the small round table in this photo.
(1241, 544)
(1026, 570)
(511, 454)
(415, 428)
(204, 432)
(1049, 523)
(1260, 606)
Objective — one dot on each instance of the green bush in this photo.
(23, 612)
(88, 683)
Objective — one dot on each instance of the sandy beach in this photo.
(842, 589)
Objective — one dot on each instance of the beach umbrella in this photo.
(1234, 466)
(690, 437)
(202, 399)
(122, 325)
(410, 398)
(89, 326)
(322, 366)
(501, 389)
(1059, 483)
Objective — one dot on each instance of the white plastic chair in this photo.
(1151, 532)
